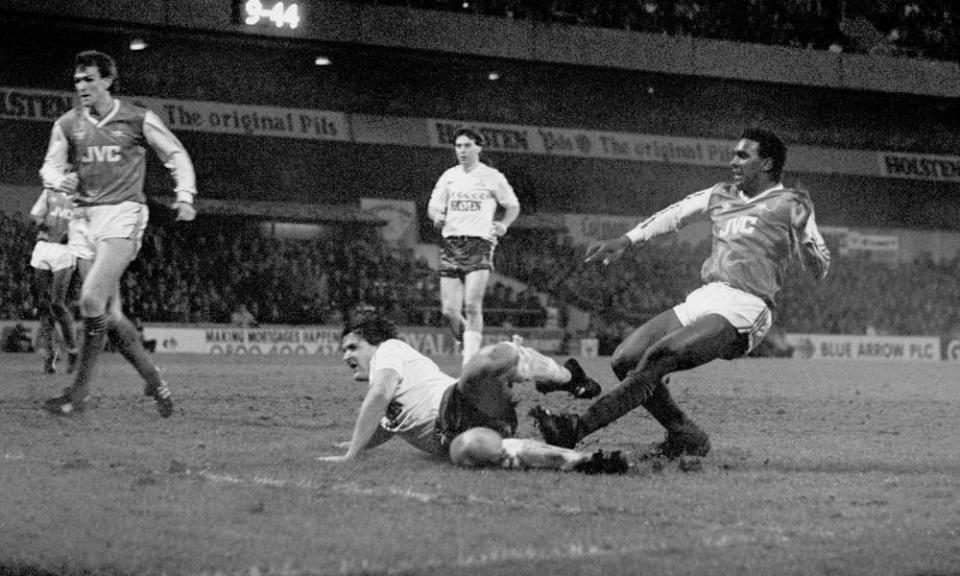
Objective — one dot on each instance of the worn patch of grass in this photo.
(817, 468)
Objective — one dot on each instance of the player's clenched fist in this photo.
(185, 211)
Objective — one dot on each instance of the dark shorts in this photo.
(457, 415)
(464, 254)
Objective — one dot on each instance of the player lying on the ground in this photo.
(409, 396)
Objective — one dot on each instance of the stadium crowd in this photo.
(920, 28)
(860, 295)
(205, 273)
(208, 272)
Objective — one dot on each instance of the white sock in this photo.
(538, 367)
(526, 453)
(471, 344)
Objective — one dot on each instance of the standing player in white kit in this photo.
(463, 207)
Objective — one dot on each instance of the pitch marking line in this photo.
(349, 488)
(713, 538)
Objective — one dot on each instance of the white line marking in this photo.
(713, 537)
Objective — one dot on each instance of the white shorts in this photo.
(749, 314)
(52, 256)
(91, 224)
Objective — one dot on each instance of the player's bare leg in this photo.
(680, 428)
(101, 282)
(48, 337)
(482, 447)
(549, 376)
(61, 315)
(487, 379)
(451, 305)
(706, 339)
(43, 283)
(474, 290)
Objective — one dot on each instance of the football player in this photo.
(54, 264)
(107, 140)
(410, 397)
(462, 206)
(758, 225)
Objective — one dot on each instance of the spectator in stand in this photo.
(17, 339)
(242, 317)
(860, 291)
(925, 28)
(463, 206)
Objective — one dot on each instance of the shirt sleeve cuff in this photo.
(185, 196)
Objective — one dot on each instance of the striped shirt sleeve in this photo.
(673, 217)
(814, 253)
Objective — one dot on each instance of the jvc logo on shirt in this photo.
(101, 154)
(738, 226)
(59, 212)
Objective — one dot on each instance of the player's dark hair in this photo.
(371, 327)
(470, 133)
(104, 63)
(769, 145)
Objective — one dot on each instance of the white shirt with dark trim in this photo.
(469, 200)
(413, 410)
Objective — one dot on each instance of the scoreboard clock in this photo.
(260, 13)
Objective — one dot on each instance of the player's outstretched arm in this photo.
(379, 437)
(608, 251)
(670, 219)
(367, 432)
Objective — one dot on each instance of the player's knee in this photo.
(622, 362)
(491, 361)
(667, 357)
(471, 309)
(449, 310)
(499, 354)
(92, 304)
(477, 447)
(631, 353)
